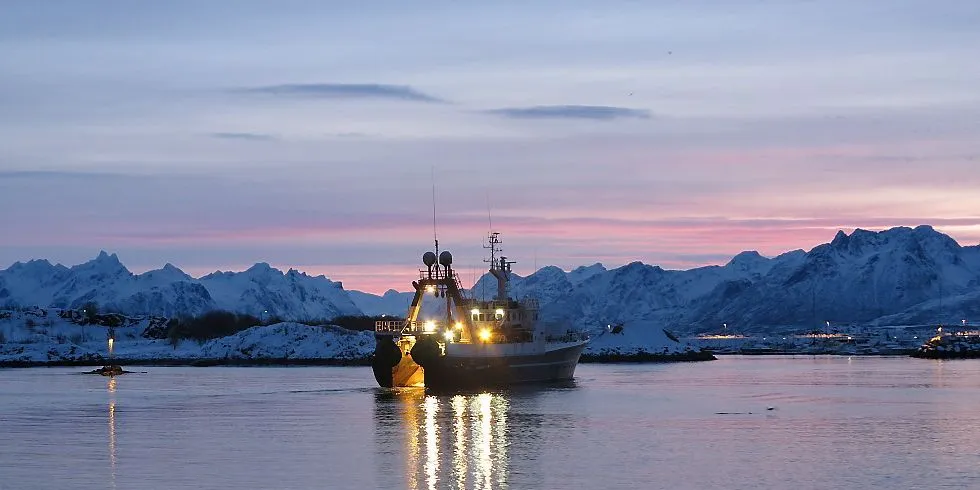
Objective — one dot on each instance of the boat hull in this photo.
(460, 373)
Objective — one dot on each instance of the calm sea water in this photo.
(835, 422)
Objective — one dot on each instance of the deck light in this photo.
(449, 335)
(485, 334)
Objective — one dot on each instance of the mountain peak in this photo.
(104, 263)
(106, 258)
(840, 239)
(168, 273)
(747, 256)
(32, 265)
(584, 272)
(262, 267)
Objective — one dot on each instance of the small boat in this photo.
(473, 344)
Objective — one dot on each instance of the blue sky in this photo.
(216, 134)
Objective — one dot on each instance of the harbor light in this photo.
(429, 326)
(449, 335)
(485, 334)
(110, 346)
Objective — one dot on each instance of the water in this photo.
(836, 422)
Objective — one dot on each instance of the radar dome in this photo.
(428, 259)
(446, 258)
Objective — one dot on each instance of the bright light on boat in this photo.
(429, 326)
(474, 311)
(430, 289)
(449, 335)
(458, 325)
(500, 312)
(485, 334)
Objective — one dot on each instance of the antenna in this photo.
(435, 237)
(489, 218)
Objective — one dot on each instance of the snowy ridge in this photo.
(897, 276)
(261, 290)
(390, 303)
(639, 339)
(43, 336)
(291, 341)
(264, 291)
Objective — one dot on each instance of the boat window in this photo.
(483, 317)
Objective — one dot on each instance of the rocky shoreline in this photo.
(646, 357)
(961, 345)
(366, 361)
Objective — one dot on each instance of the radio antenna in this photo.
(435, 237)
(489, 218)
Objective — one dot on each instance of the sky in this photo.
(213, 135)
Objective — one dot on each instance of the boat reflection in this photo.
(458, 441)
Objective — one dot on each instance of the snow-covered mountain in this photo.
(264, 291)
(392, 302)
(261, 290)
(897, 276)
(855, 278)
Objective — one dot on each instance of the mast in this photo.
(435, 237)
(500, 268)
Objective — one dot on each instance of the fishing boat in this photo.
(471, 344)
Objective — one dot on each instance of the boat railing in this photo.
(403, 327)
(389, 326)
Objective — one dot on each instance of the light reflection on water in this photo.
(835, 423)
(111, 388)
(463, 439)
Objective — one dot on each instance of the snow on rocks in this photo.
(291, 341)
(32, 338)
(642, 342)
